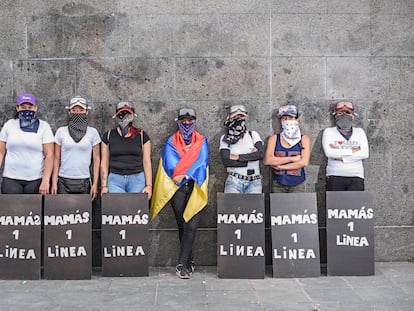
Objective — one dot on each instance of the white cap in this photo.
(237, 109)
(78, 101)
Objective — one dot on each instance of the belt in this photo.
(249, 178)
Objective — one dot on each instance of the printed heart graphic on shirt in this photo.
(340, 142)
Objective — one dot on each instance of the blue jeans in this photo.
(237, 185)
(126, 183)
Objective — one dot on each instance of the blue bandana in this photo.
(186, 130)
(28, 121)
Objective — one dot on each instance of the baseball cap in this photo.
(124, 106)
(78, 101)
(186, 113)
(26, 98)
(288, 110)
(238, 109)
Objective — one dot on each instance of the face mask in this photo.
(235, 130)
(28, 121)
(291, 131)
(344, 125)
(186, 130)
(344, 121)
(78, 124)
(125, 122)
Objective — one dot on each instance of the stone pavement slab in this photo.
(390, 289)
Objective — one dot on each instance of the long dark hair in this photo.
(135, 131)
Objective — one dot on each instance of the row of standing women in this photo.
(288, 152)
(36, 161)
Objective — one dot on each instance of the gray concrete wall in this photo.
(210, 54)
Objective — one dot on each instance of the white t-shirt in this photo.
(336, 146)
(243, 146)
(75, 158)
(24, 150)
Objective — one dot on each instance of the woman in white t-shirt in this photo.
(240, 151)
(346, 147)
(26, 147)
(75, 145)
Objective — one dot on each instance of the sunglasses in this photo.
(186, 112)
(124, 111)
(344, 105)
(239, 111)
(78, 100)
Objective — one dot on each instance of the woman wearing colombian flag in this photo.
(182, 179)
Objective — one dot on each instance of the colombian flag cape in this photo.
(176, 161)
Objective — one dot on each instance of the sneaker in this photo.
(191, 267)
(182, 272)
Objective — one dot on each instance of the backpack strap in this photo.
(108, 135)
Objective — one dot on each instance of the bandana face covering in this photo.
(235, 130)
(125, 122)
(78, 123)
(28, 121)
(344, 125)
(186, 130)
(291, 131)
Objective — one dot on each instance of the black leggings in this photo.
(186, 230)
(70, 185)
(17, 186)
(339, 183)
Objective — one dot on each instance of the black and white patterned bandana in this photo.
(235, 130)
(78, 123)
(28, 121)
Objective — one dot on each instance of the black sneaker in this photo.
(190, 267)
(182, 272)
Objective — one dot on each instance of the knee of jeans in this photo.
(190, 229)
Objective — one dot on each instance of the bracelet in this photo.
(148, 186)
(104, 186)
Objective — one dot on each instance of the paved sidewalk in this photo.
(392, 288)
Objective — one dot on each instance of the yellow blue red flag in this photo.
(176, 160)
